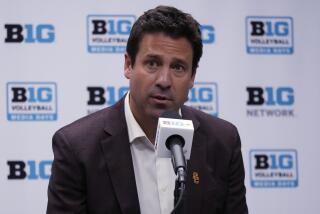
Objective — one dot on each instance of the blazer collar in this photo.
(115, 121)
(196, 172)
(187, 114)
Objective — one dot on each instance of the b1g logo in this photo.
(204, 96)
(108, 33)
(29, 33)
(269, 35)
(283, 96)
(31, 101)
(31, 169)
(100, 97)
(274, 168)
(278, 101)
(208, 34)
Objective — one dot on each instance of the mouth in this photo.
(161, 99)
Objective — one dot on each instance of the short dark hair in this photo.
(173, 23)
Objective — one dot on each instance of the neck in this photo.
(148, 124)
(149, 128)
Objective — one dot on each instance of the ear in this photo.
(191, 83)
(127, 66)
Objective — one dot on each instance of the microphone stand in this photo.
(179, 192)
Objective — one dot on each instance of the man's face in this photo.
(161, 76)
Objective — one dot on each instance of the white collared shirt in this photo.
(155, 177)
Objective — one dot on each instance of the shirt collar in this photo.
(134, 129)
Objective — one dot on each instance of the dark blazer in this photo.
(92, 171)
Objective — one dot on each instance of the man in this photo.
(106, 162)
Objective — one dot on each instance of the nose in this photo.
(164, 79)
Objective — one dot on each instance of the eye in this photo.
(152, 64)
(178, 68)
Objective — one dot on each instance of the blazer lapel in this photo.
(116, 149)
(196, 172)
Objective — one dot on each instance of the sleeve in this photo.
(66, 190)
(236, 199)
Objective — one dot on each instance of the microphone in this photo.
(174, 140)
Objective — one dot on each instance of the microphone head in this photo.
(170, 126)
(170, 114)
(175, 139)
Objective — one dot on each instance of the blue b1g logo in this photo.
(208, 34)
(29, 33)
(100, 97)
(204, 96)
(269, 35)
(108, 33)
(31, 169)
(270, 96)
(274, 168)
(31, 101)
(105, 95)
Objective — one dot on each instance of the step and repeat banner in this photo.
(62, 60)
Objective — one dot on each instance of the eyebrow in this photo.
(155, 56)
(175, 60)
(182, 62)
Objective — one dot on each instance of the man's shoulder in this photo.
(219, 135)
(90, 121)
(210, 122)
(215, 129)
(91, 127)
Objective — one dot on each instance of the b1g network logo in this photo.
(274, 168)
(270, 101)
(31, 101)
(29, 33)
(204, 97)
(108, 33)
(269, 35)
(29, 170)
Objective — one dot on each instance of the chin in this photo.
(156, 113)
